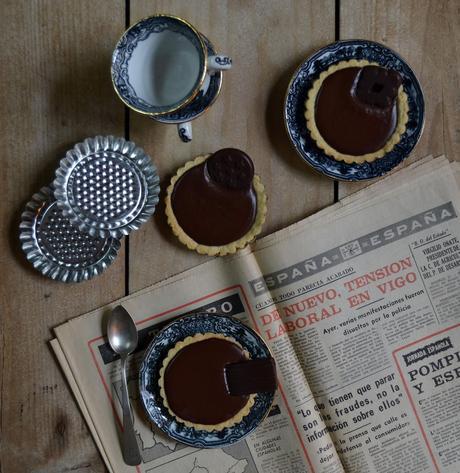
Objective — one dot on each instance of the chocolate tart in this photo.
(193, 386)
(352, 124)
(215, 204)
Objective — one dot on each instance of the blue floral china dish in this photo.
(178, 330)
(309, 71)
(204, 99)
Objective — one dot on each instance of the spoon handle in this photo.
(129, 446)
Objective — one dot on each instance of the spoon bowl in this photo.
(122, 332)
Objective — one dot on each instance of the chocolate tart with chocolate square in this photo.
(193, 384)
(215, 204)
(207, 380)
(357, 111)
(301, 84)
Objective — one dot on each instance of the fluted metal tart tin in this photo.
(177, 330)
(57, 248)
(107, 186)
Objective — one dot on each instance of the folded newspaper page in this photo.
(359, 304)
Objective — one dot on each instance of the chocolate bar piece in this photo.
(251, 376)
(376, 86)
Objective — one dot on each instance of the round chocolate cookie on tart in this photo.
(215, 203)
(357, 111)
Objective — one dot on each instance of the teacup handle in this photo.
(219, 63)
(185, 131)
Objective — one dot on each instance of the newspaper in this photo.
(359, 304)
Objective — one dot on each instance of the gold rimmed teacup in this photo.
(161, 64)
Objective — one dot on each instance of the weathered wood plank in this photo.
(55, 91)
(427, 34)
(267, 40)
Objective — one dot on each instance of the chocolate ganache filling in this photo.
(215, 202)
(356, 109)
(194, 382)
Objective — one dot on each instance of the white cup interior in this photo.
(164, 68)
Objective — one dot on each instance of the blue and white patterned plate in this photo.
(149, 373)
(203, 100)
(309, 71)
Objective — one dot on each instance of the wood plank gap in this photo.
(337, 38)
(127, 135)
(127, 13)
(337, 20)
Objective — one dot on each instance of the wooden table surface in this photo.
(55, 90)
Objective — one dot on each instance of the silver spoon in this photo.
(122, 335)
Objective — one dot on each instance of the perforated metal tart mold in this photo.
(107, 186)
(59, 249)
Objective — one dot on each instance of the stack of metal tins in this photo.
(105, 187)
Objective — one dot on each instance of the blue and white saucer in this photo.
(149, 374)
(309, 71)
(203, 100)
